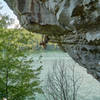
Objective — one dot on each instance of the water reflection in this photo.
(90, 88)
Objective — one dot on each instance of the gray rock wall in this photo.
(74, 24)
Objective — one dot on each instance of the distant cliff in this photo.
(73, 24)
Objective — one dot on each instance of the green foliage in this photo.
(18, 79)
(19, 39)
(5, 21)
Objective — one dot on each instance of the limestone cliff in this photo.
(74, 24)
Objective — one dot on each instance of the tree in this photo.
(62, 84)
(18, 79)
(5, 20)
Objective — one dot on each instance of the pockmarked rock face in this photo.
(74, 24)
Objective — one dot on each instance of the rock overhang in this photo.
(75, 22)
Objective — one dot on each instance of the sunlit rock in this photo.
(74, 24)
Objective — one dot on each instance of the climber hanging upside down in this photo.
(44, 42)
